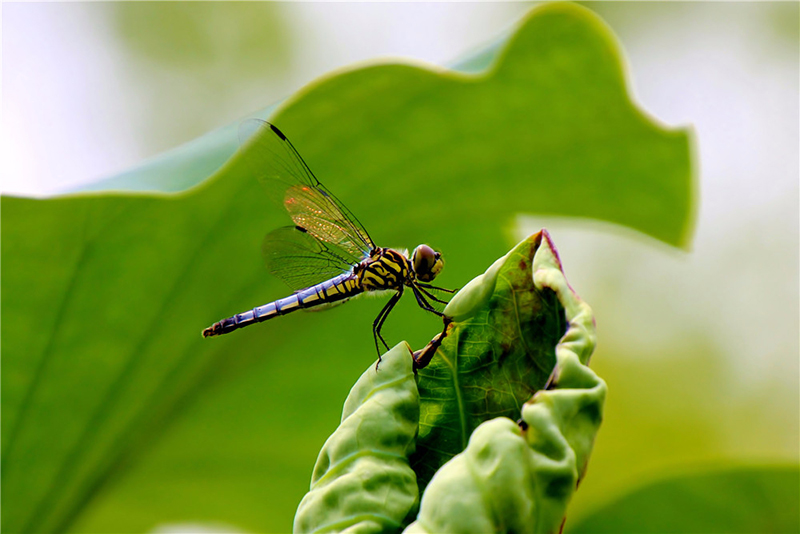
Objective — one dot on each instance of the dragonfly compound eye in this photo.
(427, 263)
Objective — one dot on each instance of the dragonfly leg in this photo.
(429, 286)
(424, 303)
(432, 297)
(378, 324)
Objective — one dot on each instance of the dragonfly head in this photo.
(427, 263)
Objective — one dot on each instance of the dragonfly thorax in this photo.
(386, 268)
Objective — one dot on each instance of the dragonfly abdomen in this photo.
(333, 290)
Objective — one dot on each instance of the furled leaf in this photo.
(508, 479)
(103, 296)
(746, 500)
(512, 479)
(499, 351)
(362, 481)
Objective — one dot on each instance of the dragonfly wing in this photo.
(317, 214)
(290, 182)
(301, 260)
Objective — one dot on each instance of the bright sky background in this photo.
(78, 105)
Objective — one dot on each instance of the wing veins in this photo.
(295, 167)
(301, 260)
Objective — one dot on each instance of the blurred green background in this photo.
(699, 347)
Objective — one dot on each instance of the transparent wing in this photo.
(291, 183)
(301, 260)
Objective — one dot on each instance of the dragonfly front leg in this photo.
(378, 323)
(424, 304)
(429, 286)
(432, 297)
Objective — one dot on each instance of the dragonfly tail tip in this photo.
(208, 332)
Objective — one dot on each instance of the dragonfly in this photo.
(327, 256)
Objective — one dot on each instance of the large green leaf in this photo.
(554, 111)
(103, 296)
(745, 500)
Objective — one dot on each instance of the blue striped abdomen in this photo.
(342, 287)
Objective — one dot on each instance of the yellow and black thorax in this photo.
(386, 268)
